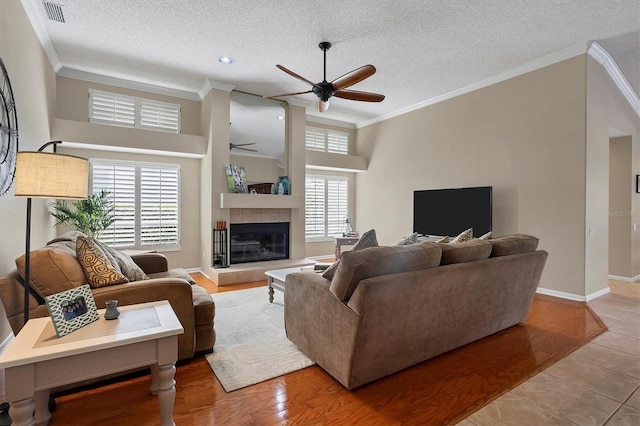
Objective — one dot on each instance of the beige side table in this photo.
(37, 360)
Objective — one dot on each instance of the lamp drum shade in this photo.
(51, 175)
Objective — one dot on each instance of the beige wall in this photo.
(621, 216)
(607, 109)
(33, 83)
(524, 136)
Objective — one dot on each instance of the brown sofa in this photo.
(388, 308)
(55, 268)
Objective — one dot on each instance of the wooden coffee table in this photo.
(37, 360)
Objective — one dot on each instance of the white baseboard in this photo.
(560, 294)
(571, 296)
(598, 293)
(624, 279)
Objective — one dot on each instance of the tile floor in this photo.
(599, 384)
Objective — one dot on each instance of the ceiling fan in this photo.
(325, 90)
(241, 145)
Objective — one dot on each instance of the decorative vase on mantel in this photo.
(282, 186)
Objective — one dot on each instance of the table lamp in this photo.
(47, 175)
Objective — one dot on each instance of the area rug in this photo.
(251, 345)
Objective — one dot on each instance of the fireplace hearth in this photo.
(257, 242)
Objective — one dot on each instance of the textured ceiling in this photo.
(422, 48)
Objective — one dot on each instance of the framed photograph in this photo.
(637, 183)
(72, 309)
(236, 179)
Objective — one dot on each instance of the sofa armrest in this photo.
(151, 263)
(320, 324)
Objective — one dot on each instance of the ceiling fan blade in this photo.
(247, 149)
(323, 106)
(293, 74)
(356, 95)
(353, 77)
(243, 144)
(287, 94)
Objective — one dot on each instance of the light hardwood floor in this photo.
(444, 390)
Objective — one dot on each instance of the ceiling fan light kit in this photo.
(325, 90)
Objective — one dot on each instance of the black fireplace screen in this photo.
(255, 242)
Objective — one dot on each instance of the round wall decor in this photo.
(8, 132)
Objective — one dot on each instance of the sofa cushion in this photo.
(53, 269)
(368, 239)
(513, 244)
(467, 251)
(464, 236)
(411, 239)
(358, 265)
(124, 263)
(96, 266)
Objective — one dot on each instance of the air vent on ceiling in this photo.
(54, 11)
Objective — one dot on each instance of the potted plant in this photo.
(90, 216)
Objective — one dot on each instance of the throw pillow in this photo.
(124, 263)
(96, 266)
(464, 236)
(52, 269)
(411, 239)
(375, 261)
(368, 239)
(513, 244)
(467, 251)
(442, 240)
(486, 236)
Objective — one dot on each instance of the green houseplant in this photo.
(90, 216)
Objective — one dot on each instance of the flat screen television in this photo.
(448, 212)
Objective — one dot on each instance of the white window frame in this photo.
(342, 213)
(117, 109)
(326, 140)
(137, 200)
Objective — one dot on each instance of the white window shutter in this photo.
(156, 115)
(130, 111)
(159, 206)
(120, 181)
(112, 108)
(147, 203)
(314, 207)
(337, 198)
(320, 139)
(326, 206)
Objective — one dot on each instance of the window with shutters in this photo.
(326, 206)
(147, 203)
(326, 140)
(130, 111)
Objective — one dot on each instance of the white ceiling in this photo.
(422, 49)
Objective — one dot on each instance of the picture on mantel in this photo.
(236, 179)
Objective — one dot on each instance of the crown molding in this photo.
(212, 84)
(34, 13)
(542, 62)
(604, 58)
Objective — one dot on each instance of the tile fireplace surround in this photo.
(254, 271)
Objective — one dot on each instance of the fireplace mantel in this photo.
(260, 201)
